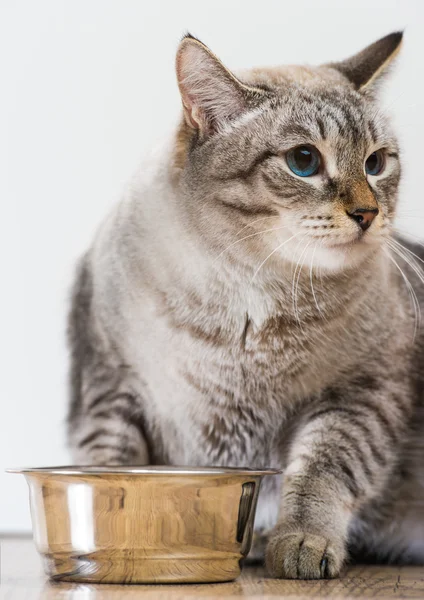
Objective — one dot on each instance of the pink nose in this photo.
(364, 216)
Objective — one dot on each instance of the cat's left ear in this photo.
(211, 95)
(367, 68)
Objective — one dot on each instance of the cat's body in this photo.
(196, 342)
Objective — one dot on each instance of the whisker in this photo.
(247, 237)
(273, 252)
(397, 243)
(409, 260)
(305, 252)
(412, 294)
(311, 279)
(294, 286)
(253, 222)
(417, 240)
(299, 243)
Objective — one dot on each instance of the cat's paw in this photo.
(301, 555)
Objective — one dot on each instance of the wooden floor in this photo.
(22, 579)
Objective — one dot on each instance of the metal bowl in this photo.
(143, 524)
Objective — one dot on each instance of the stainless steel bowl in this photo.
(143, 524)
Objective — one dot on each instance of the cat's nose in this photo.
(364, 216)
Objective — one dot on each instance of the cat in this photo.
(249, 304)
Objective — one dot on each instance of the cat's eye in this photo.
(304, 161)
(375, 163)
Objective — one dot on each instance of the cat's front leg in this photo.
(108, 431)
(340, 458)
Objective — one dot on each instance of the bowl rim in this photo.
(144, 470)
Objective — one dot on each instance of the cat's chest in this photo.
(223, 397)
(238, 434)
(237, 401)
(226, 411)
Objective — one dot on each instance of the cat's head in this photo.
(300, 162)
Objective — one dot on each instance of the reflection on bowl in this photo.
(143, 524)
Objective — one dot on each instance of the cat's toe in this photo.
(301, 555)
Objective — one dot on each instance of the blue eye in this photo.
(303, 160)
(375, 163)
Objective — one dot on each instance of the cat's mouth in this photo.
(345, 243)
(351, 239)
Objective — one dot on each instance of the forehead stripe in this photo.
(321, 127)
(373, 131)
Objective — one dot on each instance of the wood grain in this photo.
(22, 578)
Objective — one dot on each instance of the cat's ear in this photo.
(367, 68)
(210, 93)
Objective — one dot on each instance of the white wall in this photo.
(86, 87)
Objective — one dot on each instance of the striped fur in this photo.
(232, 313)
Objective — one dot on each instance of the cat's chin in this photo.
(339, 257)
(334, 258)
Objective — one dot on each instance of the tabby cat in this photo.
(248, 304)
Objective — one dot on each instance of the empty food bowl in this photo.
(143, 524)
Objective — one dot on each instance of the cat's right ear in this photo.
(366, 69)
(211, 95)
